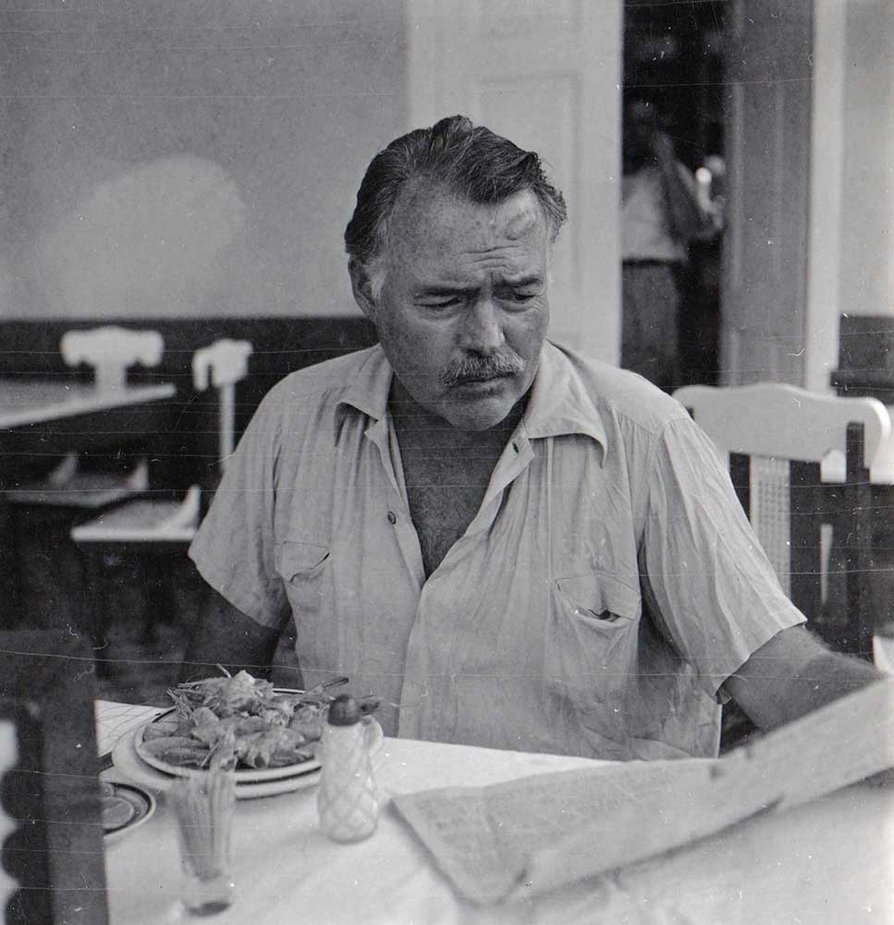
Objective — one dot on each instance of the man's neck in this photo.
(446, 470)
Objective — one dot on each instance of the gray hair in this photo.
(470, 161)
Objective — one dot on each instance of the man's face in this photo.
(463, 310)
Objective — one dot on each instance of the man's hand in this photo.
(794, 674)
(225, 636)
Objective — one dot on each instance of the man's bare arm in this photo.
(792, 675)
(226, 636)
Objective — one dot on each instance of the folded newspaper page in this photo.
(541, 832)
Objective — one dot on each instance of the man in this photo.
(660, 216)
(511, 545)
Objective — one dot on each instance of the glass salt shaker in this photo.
(347, 802)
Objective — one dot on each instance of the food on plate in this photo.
(239, 721)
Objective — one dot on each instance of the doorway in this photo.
(674, 57)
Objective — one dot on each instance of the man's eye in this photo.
(521, 297)
(450, 302)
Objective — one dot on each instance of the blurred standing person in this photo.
(700, 312)
(660, 216)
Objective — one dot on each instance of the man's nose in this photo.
(482, 330)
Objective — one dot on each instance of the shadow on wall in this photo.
(164, 233)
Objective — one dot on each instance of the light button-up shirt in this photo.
(607, 586)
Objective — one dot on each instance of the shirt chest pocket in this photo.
(302, 567)
(591, 640)
(599, 601)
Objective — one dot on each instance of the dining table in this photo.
(28, 402)
(44, 419)
(830, 860)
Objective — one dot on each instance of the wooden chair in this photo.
(50, 802)
(148, 528)
(802, 464)
(109, 352)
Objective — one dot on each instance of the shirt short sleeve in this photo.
(707, 579)
(234, 547)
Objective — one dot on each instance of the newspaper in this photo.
(544, 831)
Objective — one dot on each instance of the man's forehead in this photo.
(430, 210)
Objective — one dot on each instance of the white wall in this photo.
(851, 236)
(827, 144)
(188, 159)
(867, 275)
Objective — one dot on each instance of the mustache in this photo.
(477, 368)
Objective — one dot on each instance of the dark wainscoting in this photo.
(185, 451)
(866, 357)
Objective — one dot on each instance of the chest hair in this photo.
(444, 493)
(446, 471)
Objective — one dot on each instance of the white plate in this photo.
(243, 775)
(124, 807)
(131, 765)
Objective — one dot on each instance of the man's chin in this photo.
(479, 414)
(482, 404)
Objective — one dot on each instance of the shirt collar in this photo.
(559, 402)
(368, 389)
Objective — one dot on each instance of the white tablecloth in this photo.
(829, 862)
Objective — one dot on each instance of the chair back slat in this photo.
(740, 473)
(810, 549)
(770, 514)
(111, 351)
(786, 422)
(222, 365)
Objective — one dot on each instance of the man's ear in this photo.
(361, 286)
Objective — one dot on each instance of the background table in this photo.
(26, 402)
(826, 862)
(43, 420)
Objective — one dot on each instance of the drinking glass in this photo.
(204, 806)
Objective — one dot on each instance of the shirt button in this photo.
(392, 517)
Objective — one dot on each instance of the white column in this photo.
(825, 197)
